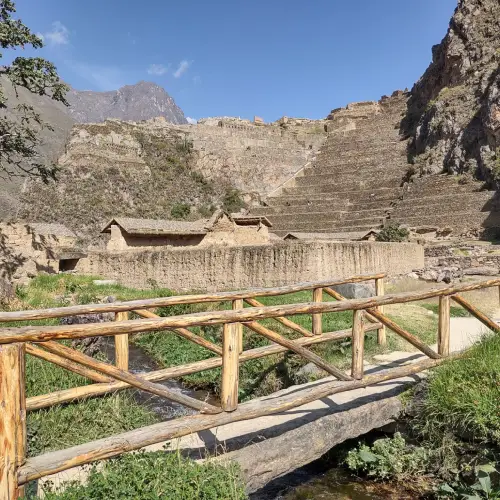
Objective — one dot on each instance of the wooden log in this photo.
(238, 304)
(129, 378)
(476, 313)
(47, 400)
(284, 321)
(412, 339)
(132, 305)
(44, 333)
(358, 343)
(121, 344)
(297, 349)
(230, 367)
(379, 291)
(12, 420)
(336, 295)
(317, 318)
(185, 333)
(444, 326)
(57, 461)
(67, 364)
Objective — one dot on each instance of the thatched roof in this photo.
(157, 226)
(250, 220)
(47, 229)
(353, 236)
(175, 227)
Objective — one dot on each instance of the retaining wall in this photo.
(225, 268)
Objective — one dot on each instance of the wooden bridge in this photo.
(41, 341)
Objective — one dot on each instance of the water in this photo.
(327, 479)
(141, 362)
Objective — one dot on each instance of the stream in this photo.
(327, 479)
(141, 362)
(323, 479)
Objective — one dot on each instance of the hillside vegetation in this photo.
(116, 169)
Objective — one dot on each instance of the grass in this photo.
(263, 376)
(63, 426)
(157, 475)
(455, 311)
(463, 396)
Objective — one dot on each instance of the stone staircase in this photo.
(355, 178)
(355, 183)
(440, 201)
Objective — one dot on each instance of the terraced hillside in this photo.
(443, 202)
(354, 179)
(356, 182)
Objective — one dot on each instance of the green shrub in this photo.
(232, 201)
(389, 458)
(157, 475)
(180, 210)
(393, 232)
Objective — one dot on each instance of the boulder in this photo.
(355, 290)
(481, 271)
(7, 290)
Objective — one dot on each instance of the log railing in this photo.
(41, 341)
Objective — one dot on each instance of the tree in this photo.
(20, 125)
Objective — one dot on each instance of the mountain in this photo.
(453, 116)
(141, 101)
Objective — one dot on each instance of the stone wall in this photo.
(221, 268)
(23, 253)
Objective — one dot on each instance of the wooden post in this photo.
(379, 290)
(230, 367)
(121, 344)
(12, 419)
(444, 326)
(317, 319)
(358, 344)
(238, 304)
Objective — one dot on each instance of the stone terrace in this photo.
(442, 202)
(355, 177)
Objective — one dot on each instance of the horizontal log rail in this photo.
(60, 312)
(131, 379)
(45, 333)
(185, 333)
(41, 341)
(57, 461)
(284, 321)
(63, 396)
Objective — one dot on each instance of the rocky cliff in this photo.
(453, 114)
(124, 169)
(141, 101)
(155, 169)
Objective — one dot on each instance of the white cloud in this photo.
(183, 67)
(59, 35)
(157, 69)
(192, 121)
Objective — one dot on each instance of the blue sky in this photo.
(243, 58)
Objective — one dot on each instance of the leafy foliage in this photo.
(389, 458)
(483, 488)
(19, 135)
(393, 232)
(157, 475)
